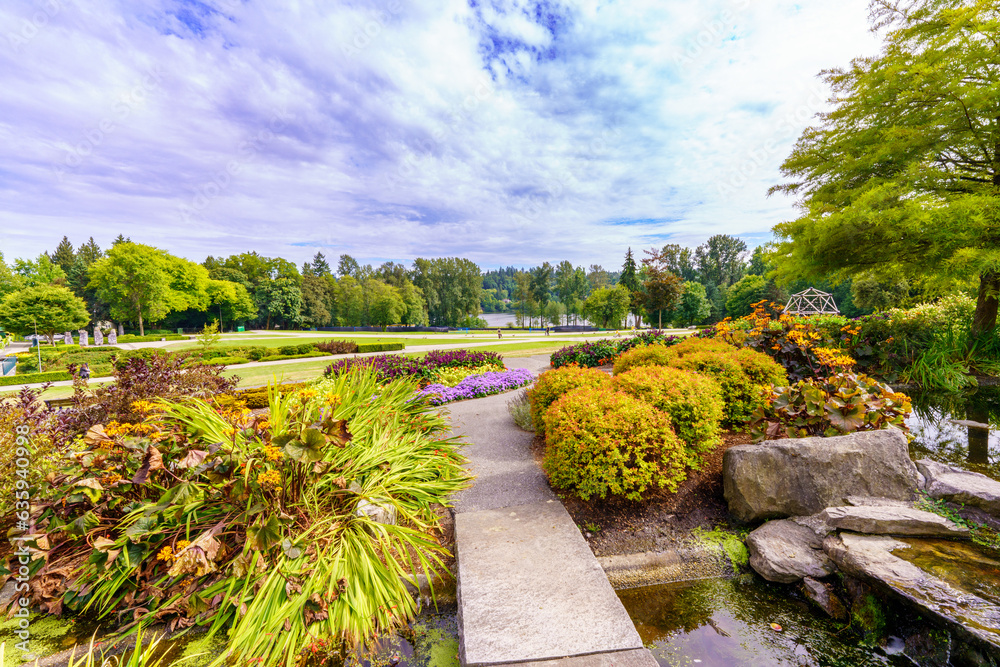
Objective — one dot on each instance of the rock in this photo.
(888, 520)
(960, 486)
(804, 476)
(784, 551)
(871, 557)
(823, 596)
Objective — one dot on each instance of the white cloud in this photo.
(510, 133)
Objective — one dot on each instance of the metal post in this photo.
(38, 346)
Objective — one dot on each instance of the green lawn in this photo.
(257, 376)
(429, 339)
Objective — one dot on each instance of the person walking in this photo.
(85, 371)
(499, 335)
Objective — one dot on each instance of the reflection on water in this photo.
(727, 622)
(962, 565)
(958, 429)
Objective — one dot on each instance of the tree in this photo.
(607, 305)
(41, 271)
(386, 305)
(281, 300)
(52, 308)
(541, 283)
(350, 302)
(348, 266)
(744, 293)
(209, 336)
(871, 293)
(903, 174)
(523, 297)
(413, 299)
(571, 287)
(630, 279)
(720, 260)
(452, 287)
(662, 289)
(679, 261)
(316, 300)
(693, 307)
(231, 300)
(598, 277)
(9, 281)
(760, 262)
(320, 267)
(64, 256)
(135, 281)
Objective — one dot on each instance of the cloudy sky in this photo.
(509, 132)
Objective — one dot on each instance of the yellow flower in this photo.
(166, 553)
(263, 425)
(182, 545)
(272, 453)
(271, 478)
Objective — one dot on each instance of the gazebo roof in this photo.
(811, 302)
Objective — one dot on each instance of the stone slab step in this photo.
(530, 590)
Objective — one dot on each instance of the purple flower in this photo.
(475, 386)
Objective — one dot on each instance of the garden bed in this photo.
(663, 520)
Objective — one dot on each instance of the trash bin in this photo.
(180, 331)
(240, 329)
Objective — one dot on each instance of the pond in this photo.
(726, 622)
(958, 429)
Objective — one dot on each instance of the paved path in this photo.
(530, 590)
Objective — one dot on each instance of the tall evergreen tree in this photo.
(64, 255)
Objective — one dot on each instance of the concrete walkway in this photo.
(530, 590)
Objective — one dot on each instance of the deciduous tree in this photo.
(52, 308)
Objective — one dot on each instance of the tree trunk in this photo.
(142, 330)
(985, 317)
(659, 322)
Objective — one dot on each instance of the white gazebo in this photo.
(811, 302)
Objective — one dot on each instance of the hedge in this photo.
(31, 378)
(132, 338)
(279, 357)
(379, 347)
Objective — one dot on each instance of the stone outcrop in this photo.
(945, 482)
(871, 557)
(887, 520)
(785, 552)
(799, 477)
(821, 594)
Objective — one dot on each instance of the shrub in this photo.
(338, 347)
(761, 369)
(133, 338)
(379, 347)
(256, 398)
(220, 361)
(605, 351)
(293, 350)
(740, 394)
(46, 438)
(650, 355)
(31, 378)
(603, 442)
(694, 402)
(279, 357)
(553, 384)
(519, 408)
(840, 404)
(692, 345)
(394, 366)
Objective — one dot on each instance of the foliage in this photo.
(744, 293)
(142, 283)
(602, 442)
(903, 174)
(53, 309)
(519, 408)
(450, 376)
(649, 355)
(394, 366)
(143, 378)
(33, 378)
(732, 545)
(478, 385)
(836, 405)
(662, 288)
(229, 360)
(231, 300)
(451, 286)
(209, 335)
(337, 347)
(45, 429)
(980, 533)
(693, 306)
(275, 532)
(607, 306)
(605, 351)
(741, 374)
(259, 397)
(133, 338)
(551, 385)
(694, 403)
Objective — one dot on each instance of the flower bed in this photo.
(476, 386)
(605, 351)
(394, 366)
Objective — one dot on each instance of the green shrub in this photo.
(843, 403)
(694, 402)
(30, 378)
(761, 369)
(552, 384)
(293, 350)
(651, 355)
(132, 338)
(221, 361)
(693, 345)
(603, 442)
(279, 357)
(379, 347)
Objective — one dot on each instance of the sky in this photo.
(509, 133)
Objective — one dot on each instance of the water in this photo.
(727, 622)
(966, 444)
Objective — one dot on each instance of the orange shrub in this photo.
(552, 384)
(603, 442)
(650, 355)
(694, 403)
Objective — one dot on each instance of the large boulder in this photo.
(885, 520)
(798, 477)
(946, 482)
(785, 552)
